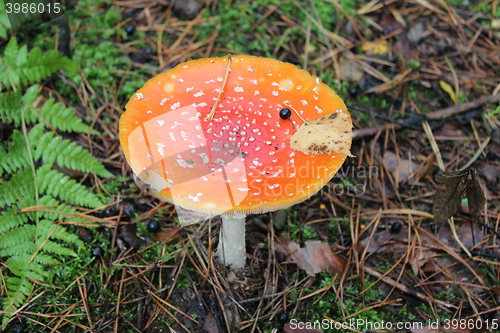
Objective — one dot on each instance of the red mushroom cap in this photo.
(246, 159)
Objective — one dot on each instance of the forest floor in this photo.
(421, 81)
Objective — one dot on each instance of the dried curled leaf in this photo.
(327, 135)
(456, 186)
(314, 257)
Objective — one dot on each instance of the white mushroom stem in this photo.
(231, 248)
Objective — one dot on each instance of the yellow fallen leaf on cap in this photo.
(446, 87)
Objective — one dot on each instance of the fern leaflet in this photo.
(66, 153)
(18, 66)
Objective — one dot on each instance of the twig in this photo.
(440, 114)
(403, 288)
(444, 113)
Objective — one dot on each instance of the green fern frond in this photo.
(48, 229)
(56, 210)
(16, 67)
(56, 248)
(62, 118)
(35, 199)
(13, 105)
(17, 236)
(65, 153)
(60, 186)
(18, 189)
(5, 27)
(16, 155)
(10, 106)
(24, 265)
(18, 289)
(57, 115)
(9, 219)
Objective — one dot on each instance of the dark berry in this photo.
(153, 226)
(353, 92)
(285, 113)
(110, 211)
(280, 257)
(439, 172)
(130, 29)
(18, 328)
(98, 252)
(282, 318)
(396, 227)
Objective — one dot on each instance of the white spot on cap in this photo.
(275, 93)
(238, 89)
(199, 94)
(204, 158)
(254, 81)
(139, 96)
(194, 198)
(273, 186)
(318, 109)
(276, 174)
(160, 122)
(184, 164)
(172, 136)
(256, 92)
(304, 102)
(163, 101)
(256, 162)
(175, 125)
(175, 106)
(189, 89)
(161, 149)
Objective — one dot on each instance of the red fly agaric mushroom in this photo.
(234, 136)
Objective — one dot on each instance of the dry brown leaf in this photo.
(349, 70)
(400, 168)
(314, 257)
(456, 186)
(326, 135)
(470, 234)
(168, 234)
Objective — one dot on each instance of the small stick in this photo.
(293, 109)
(443, 305)
(217, 101)
(440, 114)
(444, 113)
